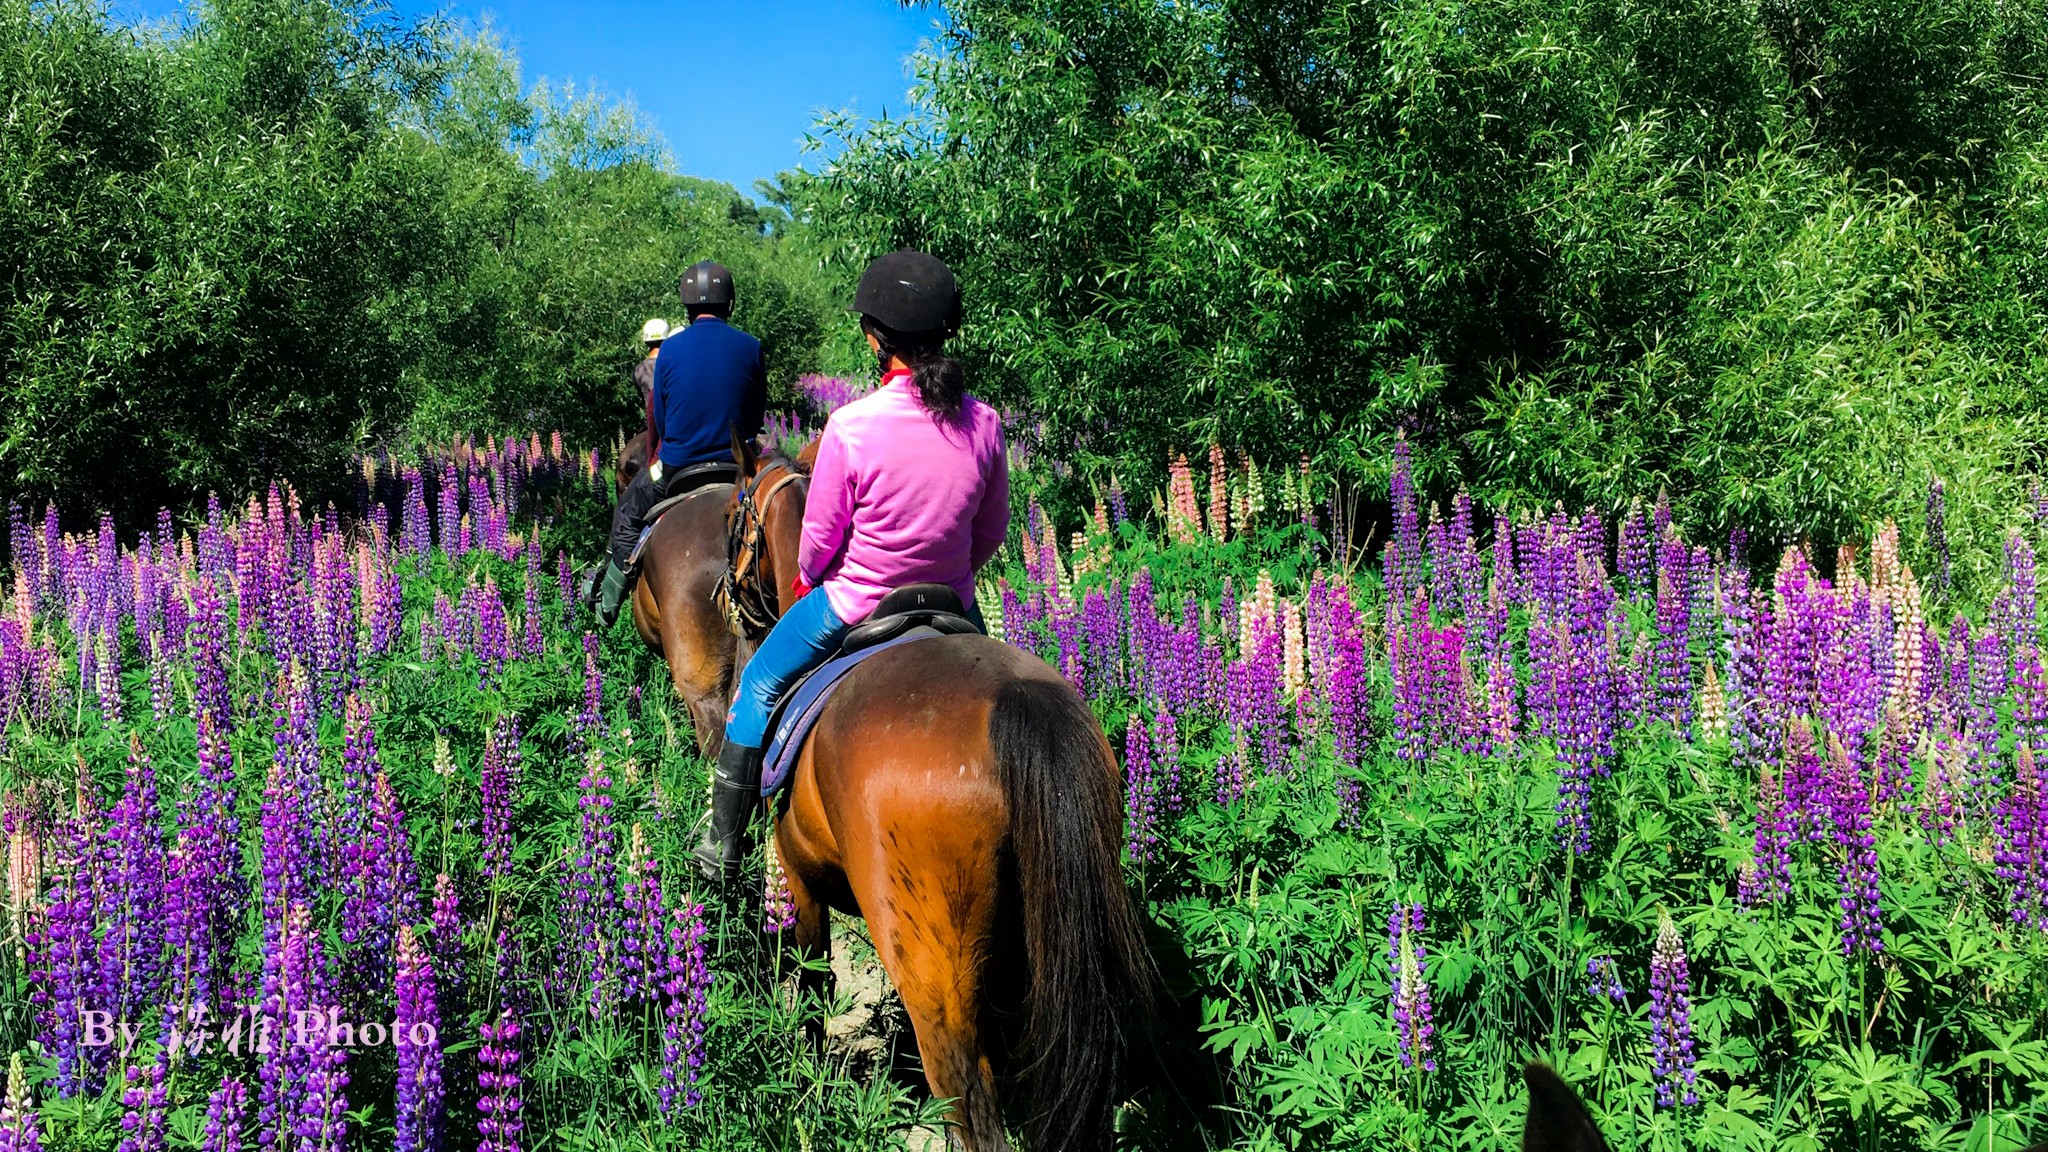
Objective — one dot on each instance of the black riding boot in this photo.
(735, 793)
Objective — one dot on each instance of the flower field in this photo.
(341, 829)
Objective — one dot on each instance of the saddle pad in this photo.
(805, 703)
(656, 512)
(654, 515)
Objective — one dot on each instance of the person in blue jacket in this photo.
(710, 384)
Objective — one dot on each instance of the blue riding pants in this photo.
(806, 636)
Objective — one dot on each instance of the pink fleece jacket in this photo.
(898, 498)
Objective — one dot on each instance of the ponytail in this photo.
(941, 382)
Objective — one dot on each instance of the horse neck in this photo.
(782, 525)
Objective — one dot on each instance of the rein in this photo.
(745, 596)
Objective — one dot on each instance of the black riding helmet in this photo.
(707, 284)
(910, 293)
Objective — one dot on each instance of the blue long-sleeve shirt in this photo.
(709, 381)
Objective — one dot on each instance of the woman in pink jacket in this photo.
(911, 486)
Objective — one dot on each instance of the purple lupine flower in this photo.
(565, 588)
(2020, 854)
(145, 1102)
(1414, 1019)
(590, 721)
(1403, 563)
(288, 1017)
(1986, 689)
(686, 989)
(1141, 792)
(534, 638)
(210, 696)
(1861, 925)
(1767, 877)
(1606, 981)
(449, 524)
(207, 893)
(2015, 610)
(1119, 507)
(133, 911)
(1165, 745)
(828, 394)
(498, 1085)
(1633, 555)
(1408, 649)
(493, 646)
(1674, 633)
(1252, 693)
(387, 605)
(21, 1126)
(445, 918)
(1350, 804)
(380, 892)
(1349, 702)
(225, 1108)
(641, 907)
(1803, 780)
(1672, 1058)
(417, 535)
(1102, 655)
(1740, 611)
(778, 901)
(593, 886)
(415, 1033)
(66, 974)
(497, 788)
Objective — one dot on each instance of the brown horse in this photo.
(958, 794)
(633, 460)
(673, 610)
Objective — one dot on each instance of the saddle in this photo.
(686, 482)
(908, 614)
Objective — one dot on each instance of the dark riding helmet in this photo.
(707, 284)
(910, 293)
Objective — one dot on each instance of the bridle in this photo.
(745, 595)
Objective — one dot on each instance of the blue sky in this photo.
(733, 86)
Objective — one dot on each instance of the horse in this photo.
(958, 794)
(633, 460)
(674, 613)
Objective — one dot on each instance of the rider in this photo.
(911, 486)
(710, 384)
(652, 334)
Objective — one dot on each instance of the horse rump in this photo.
(1091, 979)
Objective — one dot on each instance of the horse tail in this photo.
(1091, 976)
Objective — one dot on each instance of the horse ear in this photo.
(808, 458)
(1558, 1120)
(744, 456)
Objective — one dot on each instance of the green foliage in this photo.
(1778, 258)
(1274, 917)
(295, 229)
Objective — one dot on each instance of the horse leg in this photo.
(697, 666)
(811, 942)
(936, 964)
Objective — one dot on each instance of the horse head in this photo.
(764, 524)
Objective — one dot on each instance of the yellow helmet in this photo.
(654, 332)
